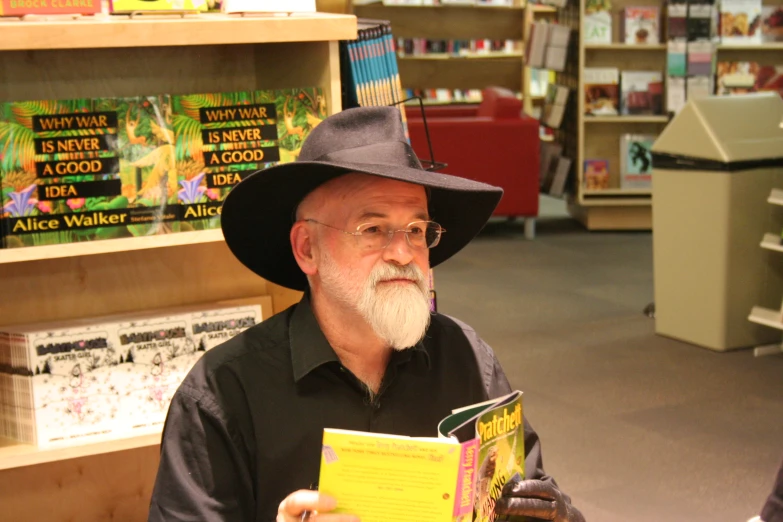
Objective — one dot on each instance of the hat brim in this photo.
(258, 213)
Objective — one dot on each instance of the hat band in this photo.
(391, 153)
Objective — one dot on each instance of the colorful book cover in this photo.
(210, 328)
(601, 91)
(26, 7)
(772, 23)
(597, 21)
(221, 138)
(636, 161)
(642, 92)
(596, 174)
(736, 77)
(125, 6)
(85, 169)
(740, 22)
(641, 25)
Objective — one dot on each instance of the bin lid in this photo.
(723, 133)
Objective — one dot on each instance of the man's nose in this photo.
(398, 250)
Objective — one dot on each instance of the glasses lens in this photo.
(433, 232)
(372, 236)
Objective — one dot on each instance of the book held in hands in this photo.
(457, 476)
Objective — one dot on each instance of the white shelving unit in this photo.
(761, 315)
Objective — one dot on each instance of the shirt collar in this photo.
(310, 349)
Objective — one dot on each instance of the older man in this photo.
(352, 223)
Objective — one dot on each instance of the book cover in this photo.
(770, 78)
(675, 94)
(555, 105)
(597, 23)
(560, 177)
(740, 22)
(677, 20)
(641, 25)
(771, 23)
(736, 77)
(85, 169)
(221, 138)
(636, 161)
(209, 328)
(642, 92)
(698, 87)
(557, 47)
(535, 51)
(601, 87)
(676, 57)
(700, 21)
(26, 7)
(596, 174)
(126, 6)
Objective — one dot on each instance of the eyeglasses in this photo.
(373, 236)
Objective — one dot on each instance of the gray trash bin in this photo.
(714, 167)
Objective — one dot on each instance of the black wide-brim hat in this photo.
(258, 213)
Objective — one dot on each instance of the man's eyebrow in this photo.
(420, 216)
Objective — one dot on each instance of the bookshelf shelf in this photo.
(108, 246)
(616, 202)
(626, 119)
(207, 29)
(772, 242)
(767, 317)
(769, 46)
(494, 55)
(16, 455)
(624, 47)
(617, 192)
(776, 197)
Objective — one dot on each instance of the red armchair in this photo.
(493, 142)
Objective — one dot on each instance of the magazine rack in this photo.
(117, 56)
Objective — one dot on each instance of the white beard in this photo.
(398, 313)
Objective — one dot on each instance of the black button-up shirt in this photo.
(244, 429)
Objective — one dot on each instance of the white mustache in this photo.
(387, 271)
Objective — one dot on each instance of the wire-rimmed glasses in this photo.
(375, 236)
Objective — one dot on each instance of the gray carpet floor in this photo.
(634, 426)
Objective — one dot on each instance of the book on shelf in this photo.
(701, 21)
(740, 22)
(677, 57)
(772, 23)
(641, 25)
(636, 161)
(642, 92)
(555, 105)
(677, 20)
(701, 58)
(562, 168)
(746, 77)
(461, 472)
(675, 94)
(597, 21)
(535, 51)
(91, 169)
(107, 377)
(601, 91)
(698, 87)
(558, 37)
(596, 174)
(549, 151)
(30, 7)
(129, 6)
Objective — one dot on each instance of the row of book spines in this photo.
(424, 46)
(446, 95)
(374, 70)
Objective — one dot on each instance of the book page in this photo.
(383, 478)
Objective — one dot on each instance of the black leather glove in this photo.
(536, 499)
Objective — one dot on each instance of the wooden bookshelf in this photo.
(599, 136)
(204, 29)
(776, 197)
(106, 57)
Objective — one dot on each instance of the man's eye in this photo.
(372, 230)
(416, 231)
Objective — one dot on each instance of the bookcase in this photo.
(599, 136)
(119, 56)
(460, 22)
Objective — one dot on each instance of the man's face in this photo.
(387, 286)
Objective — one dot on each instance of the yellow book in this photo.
(457, 476)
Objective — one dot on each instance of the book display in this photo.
(449, 52)
(625, 90)
(101, 73)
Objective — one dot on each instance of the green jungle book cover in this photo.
(221, 138)
(499, 427)
(86, 169)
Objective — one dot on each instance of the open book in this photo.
(457, 476)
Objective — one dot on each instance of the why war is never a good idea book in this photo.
(456, 477)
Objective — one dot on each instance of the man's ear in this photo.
(302, 243)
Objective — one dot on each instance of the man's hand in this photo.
(294, 506)
(536, 499)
